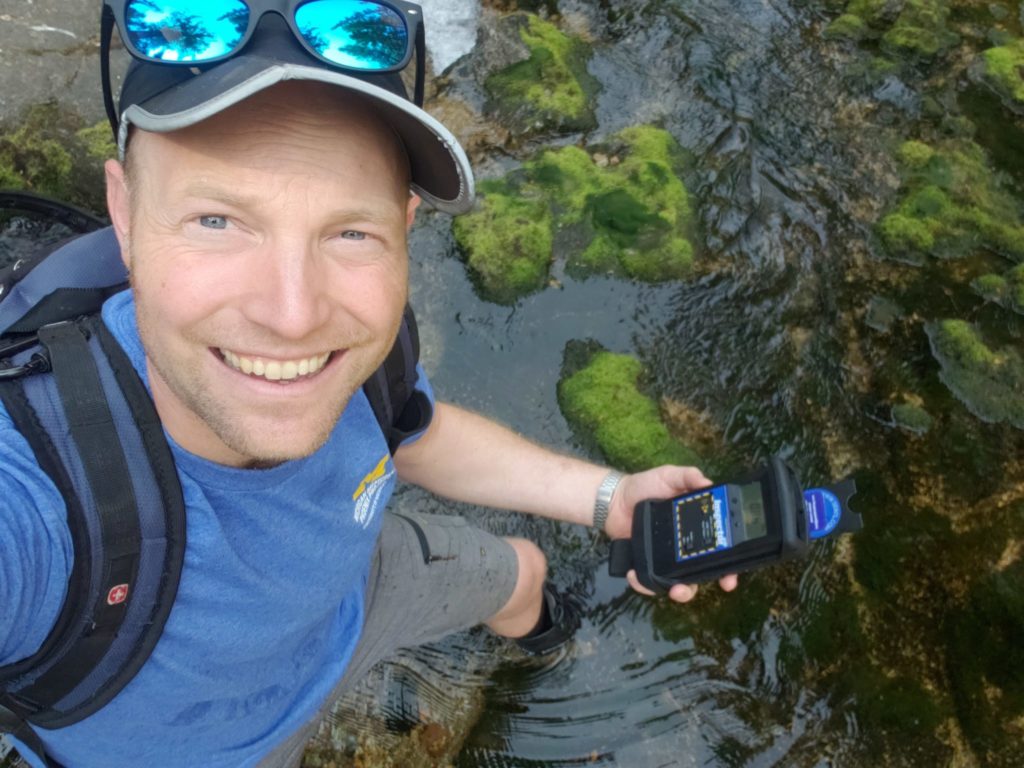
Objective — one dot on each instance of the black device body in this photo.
(691, 539)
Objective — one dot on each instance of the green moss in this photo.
(897, 705)
(915, 154)
(985, 657)
(632, 216)
(602, 401)
(1004, 71)
(1006, 290)
(832, 631)
(912, 418)
(98, 141)
(873, 12)
(507, 242)
(952, 204)
(847, 27)
(49, 152)
(989, 382)
(920, 30)
(552, 89)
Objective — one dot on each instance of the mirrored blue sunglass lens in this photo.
(185, 30)
(354, 33)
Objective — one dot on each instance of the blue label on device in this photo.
(823, 512)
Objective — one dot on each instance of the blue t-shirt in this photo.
(269, 607)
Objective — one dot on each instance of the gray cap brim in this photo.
(440, 172)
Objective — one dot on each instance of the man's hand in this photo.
(658, 483)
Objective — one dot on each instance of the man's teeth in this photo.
(275, 370)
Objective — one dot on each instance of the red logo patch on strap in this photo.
(117, 594)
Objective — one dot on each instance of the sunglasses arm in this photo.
(106, 34)
(421, 56)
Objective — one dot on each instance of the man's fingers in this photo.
(634, 582)
(683, 593)
(729, 583)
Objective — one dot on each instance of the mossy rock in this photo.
(1004, 72)
(985, 659)
(549, 91)
(952, 204)
(989, 382)
(912, 418)
(894, 706)
(602, 401)
(847, 27)
(52, 153)
(831, 630)
(1006, 290)
(507, 241)
(920, 30)
(631, 217)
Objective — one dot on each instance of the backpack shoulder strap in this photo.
(94, 430)
(400, 408)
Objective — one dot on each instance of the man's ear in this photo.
(119, 205)
(410, 211)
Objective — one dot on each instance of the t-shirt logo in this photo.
(370, 492)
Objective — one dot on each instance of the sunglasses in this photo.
(369, 36)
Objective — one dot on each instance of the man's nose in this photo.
(288, 288)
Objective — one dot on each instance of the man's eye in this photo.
(214, 222)
(351, 234)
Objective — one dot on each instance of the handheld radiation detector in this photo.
(760, 519)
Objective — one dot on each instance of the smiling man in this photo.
(262, 207)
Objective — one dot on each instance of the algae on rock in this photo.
(989, 382)
(549, 91)
(920, 30)
(952, 204)
(1004, 71)
(51, 153)
(632, 215)
(600, 397)
(1005, 290)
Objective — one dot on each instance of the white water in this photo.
(451, 29)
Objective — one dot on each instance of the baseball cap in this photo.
(161, 99)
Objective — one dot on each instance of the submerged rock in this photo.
(952, 204)
(989, 382)
(599, 395)
(624, 210)
(549, 91)
(1006, 290)
(915, 29)
(1004, 72)
(920, 30)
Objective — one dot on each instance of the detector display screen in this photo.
(717, 518)
(701, 523)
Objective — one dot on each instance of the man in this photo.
(262, 209)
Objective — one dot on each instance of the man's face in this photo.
(267, 252)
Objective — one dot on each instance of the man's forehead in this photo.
(289, 115)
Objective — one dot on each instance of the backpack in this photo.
(71, 391)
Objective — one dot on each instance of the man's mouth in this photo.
(275, 370)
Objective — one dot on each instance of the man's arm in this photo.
(466, 457)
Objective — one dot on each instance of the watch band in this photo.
(605, 492)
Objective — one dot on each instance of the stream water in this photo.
(783, 344)
(798, 335)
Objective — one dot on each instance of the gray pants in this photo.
(431, 575)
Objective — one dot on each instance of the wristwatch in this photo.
(605, 492)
